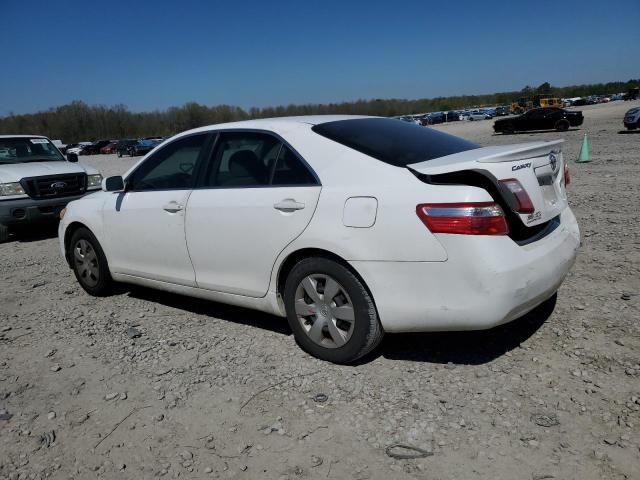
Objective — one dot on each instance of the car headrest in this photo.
(245, 163)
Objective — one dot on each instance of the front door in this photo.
(145, 225)
(258, 196)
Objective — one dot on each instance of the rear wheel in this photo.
(330, 311)
(562, 125)
(4, 233)
(508, 130)
(89, 263)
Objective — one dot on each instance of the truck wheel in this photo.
(4, 233)
(89, 263)
(330, 311)
(562, 126)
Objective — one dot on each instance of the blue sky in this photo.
(155, 54)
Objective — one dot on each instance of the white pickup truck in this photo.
(37, 182)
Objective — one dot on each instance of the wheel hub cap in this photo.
(86, 262)
(324, 310)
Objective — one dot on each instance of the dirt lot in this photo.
(201, 390)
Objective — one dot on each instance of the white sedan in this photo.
(471, 116)
(348, 226)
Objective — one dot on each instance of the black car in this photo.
(95, 147)
(122, 147)
(502, 111)
(548, 118)
(144, 146)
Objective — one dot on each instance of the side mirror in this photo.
(72, 157)
(113, 184)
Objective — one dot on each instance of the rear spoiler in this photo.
(522, 153)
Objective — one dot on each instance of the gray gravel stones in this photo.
(545, 420)
(196, 362)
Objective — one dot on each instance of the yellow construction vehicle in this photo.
(526, 103)
(521, 106)
(548, 101)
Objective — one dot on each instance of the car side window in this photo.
(170, 168)
(290, 170)
(243, 159)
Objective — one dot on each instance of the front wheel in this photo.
(330, 311)
(89, 263)
(562, 126)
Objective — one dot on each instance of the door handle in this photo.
(288, 205)
(173, 207)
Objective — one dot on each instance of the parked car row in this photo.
(131, 147)
(434, 118)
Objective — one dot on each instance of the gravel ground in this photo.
(145, 384)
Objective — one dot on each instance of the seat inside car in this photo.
(245, 169)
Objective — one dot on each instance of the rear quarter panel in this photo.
(397, 233)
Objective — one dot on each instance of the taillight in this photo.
(476, 218)
(525, 205)
(567, 175)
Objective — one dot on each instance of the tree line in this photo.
(78, 121)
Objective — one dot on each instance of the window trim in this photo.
(212, 163)
(205, 151)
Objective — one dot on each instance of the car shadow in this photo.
(628, 132)
(33, 233)
(231, 313)
(536, 132)
(461, 348)
(465, 348)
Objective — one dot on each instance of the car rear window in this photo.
(393, 141)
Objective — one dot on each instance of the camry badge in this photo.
(554, 161)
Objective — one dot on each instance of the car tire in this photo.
(4, 233)
(89, 263)
(342, 338)
(562, 126)
(508, 130)
(119, 154)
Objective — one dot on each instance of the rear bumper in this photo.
(486, 281)
(28, 211)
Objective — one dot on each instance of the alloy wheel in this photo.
(324, 310)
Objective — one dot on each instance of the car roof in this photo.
(277, 123)
(22, 136)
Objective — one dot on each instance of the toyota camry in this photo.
(348, 226)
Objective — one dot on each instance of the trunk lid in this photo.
(538, 166)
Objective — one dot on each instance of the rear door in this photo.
(256, 197)
(535, 119)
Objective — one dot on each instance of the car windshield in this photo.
(28, 149)
(391, 141)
